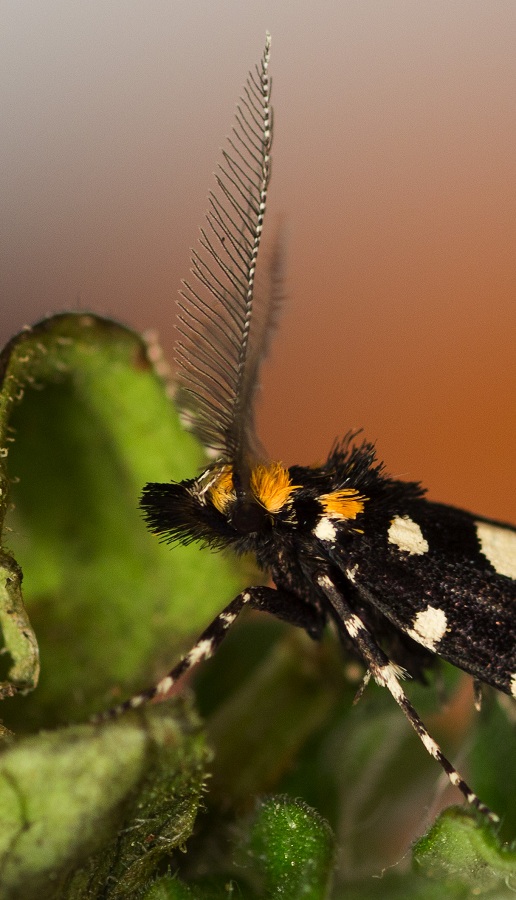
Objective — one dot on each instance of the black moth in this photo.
(402, 579)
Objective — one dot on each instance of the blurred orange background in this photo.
(394, 171)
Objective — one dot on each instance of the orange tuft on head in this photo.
(271, 485)
(222, 491)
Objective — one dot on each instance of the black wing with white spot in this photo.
(447, 580)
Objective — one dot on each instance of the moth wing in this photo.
(437, 574)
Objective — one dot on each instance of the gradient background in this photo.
(394, 170)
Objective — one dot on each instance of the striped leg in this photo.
(388, 675)
(281, 604)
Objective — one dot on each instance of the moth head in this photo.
(219, 507)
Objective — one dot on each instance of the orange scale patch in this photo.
(345, 504)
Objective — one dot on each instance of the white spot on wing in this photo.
(429, 627)
(513, 685)
(407, 535)
(325, 530)
(498, 546)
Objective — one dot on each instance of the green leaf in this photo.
(19, 638)
(93, 423)
(294, 848)
(286, 849)
(212, 888)
(461, 849)
(126, 792)
(168, 888)
(89, 811)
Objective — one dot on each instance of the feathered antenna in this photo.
(218, 352)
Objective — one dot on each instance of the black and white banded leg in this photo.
(278, 603)
(388, 675)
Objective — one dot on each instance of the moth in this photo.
(402, 579)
